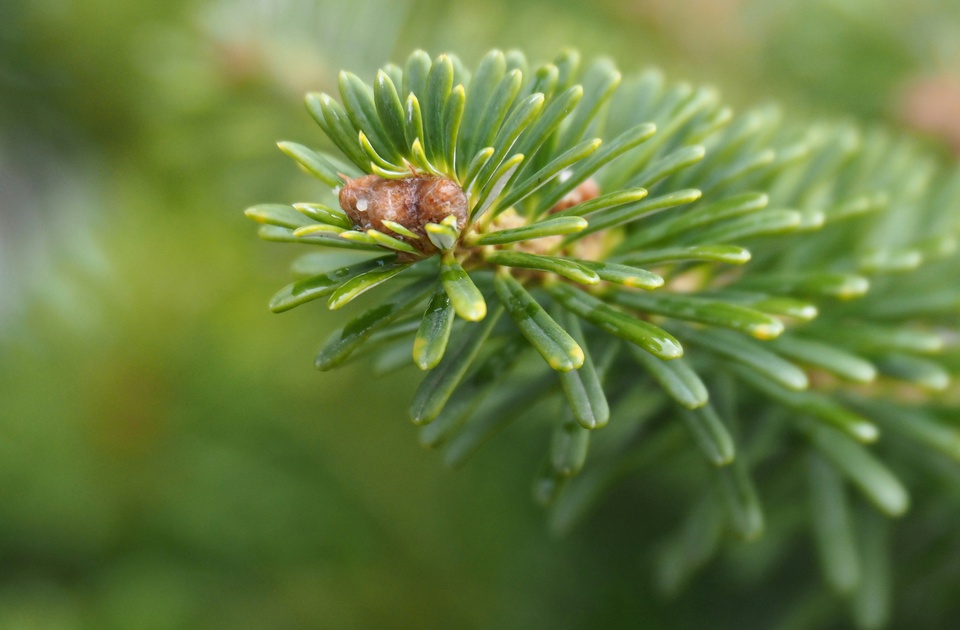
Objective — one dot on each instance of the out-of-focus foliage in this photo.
(168, 459)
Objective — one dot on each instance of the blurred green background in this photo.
(168, 456)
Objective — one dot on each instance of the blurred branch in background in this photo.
(301, 45)
(50, 254)
(930, 106)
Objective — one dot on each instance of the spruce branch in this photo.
(772, 288)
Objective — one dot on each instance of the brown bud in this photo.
(412, 202)
(584, 192)
(594, 245)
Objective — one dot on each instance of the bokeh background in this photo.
(168, 456)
